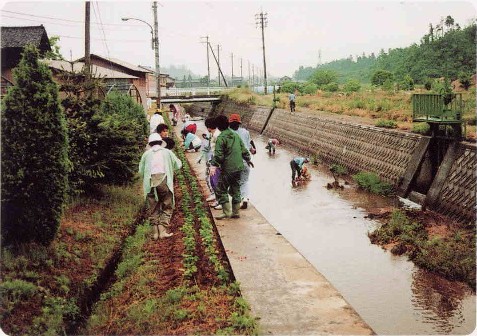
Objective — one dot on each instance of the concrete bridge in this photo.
(193, 94)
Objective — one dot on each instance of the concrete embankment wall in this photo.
(388, 153)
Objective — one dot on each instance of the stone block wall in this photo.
(358, 147)
(457, 197)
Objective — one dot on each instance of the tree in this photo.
(55, 53)
(34, 154)
(352, 85)
(381, 76)
(323, 77)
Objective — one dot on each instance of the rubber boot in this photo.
(236, 210)
(156, 232)
(163, 233)
(226, 211)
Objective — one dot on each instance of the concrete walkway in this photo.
(283, 289)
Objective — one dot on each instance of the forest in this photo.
(447, 50)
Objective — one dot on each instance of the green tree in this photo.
(352, 85)
(122, 130)
(323, 77)
(55, 53)
(34, 154)
(310, 88)
(465, 80)
(290, 87)
(381, 76)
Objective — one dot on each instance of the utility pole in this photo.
(218, 61)
(156, 56)
(218, 65)
(241, 75)
(232, 55)
(253, 75)
(249, 83)
(208, 66)
(87, 55)
(262, 22)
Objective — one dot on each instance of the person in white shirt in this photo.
(156, 119)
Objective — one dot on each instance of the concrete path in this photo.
(283, 289)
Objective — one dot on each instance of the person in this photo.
(271, 144)
(170, 143)
(291, 98)
(189, 124)
(162, 130)
(157, 168)
(230, 154)
(175, 114)
(191, 141)
(235, 124)
(296, 166)
(156, 119)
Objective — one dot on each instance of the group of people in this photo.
(227, 150)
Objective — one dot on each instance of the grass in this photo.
(42, 287)
(452, 255)
(371, 182)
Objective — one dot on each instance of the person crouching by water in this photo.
(271, 145)
(157, 168)
(191, 141)
(230, 153)
(296, 166)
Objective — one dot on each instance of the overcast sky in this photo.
(296, 33)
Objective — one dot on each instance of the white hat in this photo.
(156, 137)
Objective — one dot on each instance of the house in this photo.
(14, 39)
(140, 75)
(111, 78)
(151, 85)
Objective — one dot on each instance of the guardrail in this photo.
(437, 108)
(193, 91)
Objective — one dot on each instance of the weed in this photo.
(386, 123)
(371, 182)
(180, 315)
(421, 128)
(175, 295)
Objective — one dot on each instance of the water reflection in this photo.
(441, 301)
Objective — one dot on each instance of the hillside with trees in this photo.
(447, 50)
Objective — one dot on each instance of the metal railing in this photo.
(194, 91)
(437, 108)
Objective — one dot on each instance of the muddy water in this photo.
(330, 228)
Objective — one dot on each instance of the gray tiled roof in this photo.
(96, 71)
(18, 37)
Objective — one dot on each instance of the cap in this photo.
(234, 117)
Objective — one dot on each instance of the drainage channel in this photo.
(102, 284)
(391, 294)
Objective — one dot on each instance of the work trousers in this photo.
(295, 169)
(228, 184)
(160, 212)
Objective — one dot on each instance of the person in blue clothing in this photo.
(296, 166)
(191, 141)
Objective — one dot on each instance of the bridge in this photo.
(192, 95)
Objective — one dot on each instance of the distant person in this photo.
(230, 153)
(175, 114)
(156, 119)
(235, 124)
(291, 99)
(157, 168)
(189, 125)
(271, 145)
(296, 166)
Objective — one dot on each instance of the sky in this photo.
(297, 33)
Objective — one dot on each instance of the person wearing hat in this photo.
(157, 168)
(229, 155)
(296, 166)
(236, 125)
(191, 141)
(156, 119)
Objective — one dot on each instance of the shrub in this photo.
(379, 77)
(372, 183)
(122, 129)
(386, 123)
(290, 87)
(331, 87)
(421, 128)
(34, 154)
(310, 88)
(352, 85)
(323, 77)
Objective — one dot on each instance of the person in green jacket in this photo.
(157, 167)
(230, 153)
